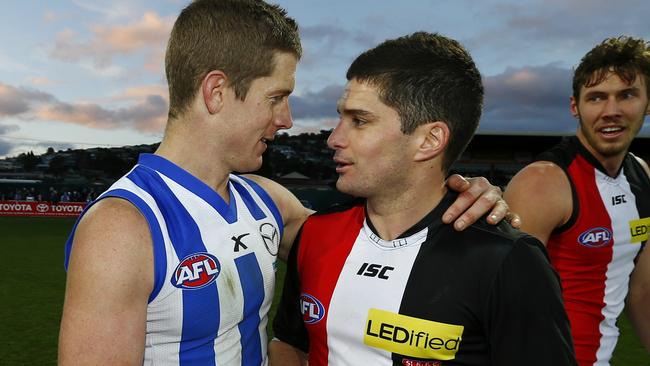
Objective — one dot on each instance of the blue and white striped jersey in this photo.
(214, 264)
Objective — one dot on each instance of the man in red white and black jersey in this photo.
(588, 200)
(384, 281)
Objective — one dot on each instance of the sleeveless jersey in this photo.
(432, 297)
(594, 252)
(214, 265)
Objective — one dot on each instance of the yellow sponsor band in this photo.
(640, 229)
(411, 336)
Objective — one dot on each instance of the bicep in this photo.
(541, 195)
(110, 277)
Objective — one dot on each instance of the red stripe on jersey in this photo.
(320, 281)
(583, 268)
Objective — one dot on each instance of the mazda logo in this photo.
(271, 238)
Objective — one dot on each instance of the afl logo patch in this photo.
(270, 237)
(312, 310)
(597, 237)
(196, 271)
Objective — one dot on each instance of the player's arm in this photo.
(110, 277)
(638, 299)
(284, 354)
(644, 165)
(541, 194)
(477, 197)
(292, 211)
(291, 342)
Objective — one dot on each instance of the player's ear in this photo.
(213, 87)
(573, 107)
(432, 139)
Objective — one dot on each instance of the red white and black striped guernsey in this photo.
(594, 252)
(434, 296)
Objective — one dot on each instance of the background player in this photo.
(588, 199)
(175, 264)
(385, 282)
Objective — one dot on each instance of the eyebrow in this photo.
(281, 91)
(356, 112)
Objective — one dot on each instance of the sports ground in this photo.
(33, 281)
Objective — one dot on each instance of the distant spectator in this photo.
(54, 196)
(91, 195)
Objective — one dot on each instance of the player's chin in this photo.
(344, 186)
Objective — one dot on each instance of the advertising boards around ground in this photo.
(41, 208)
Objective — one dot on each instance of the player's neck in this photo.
(392, 214)
(611, 164)
(187, 149)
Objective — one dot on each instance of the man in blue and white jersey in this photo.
(175, 263)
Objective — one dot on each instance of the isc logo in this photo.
(374, 270)
(196, 271)
(312, 310)
(596, 237)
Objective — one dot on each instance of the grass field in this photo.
(33, 281)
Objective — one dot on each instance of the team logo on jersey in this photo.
(312, 310)
(597, 237)
(271, 238)
(196, 271)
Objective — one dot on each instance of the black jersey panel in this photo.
(288, 325)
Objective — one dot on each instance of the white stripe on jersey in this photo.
(620, 267)
(346, 319)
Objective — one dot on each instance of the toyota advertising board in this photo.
(41, 209)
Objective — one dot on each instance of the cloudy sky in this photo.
(83, 73)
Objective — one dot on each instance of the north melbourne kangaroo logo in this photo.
(271, 238)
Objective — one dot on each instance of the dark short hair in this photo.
(426, 77)
(627, 57)
(239, 37)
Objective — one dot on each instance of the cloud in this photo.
(146, 116)
(142, 92)
(147, 111)
(528, 99)
(324, 44)
(4, 129)
(40, 81)
(147, 35)
(320, 104)
(5, 146)
(552, 30)
(17, 101)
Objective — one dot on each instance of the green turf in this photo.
(31, 289)
(33, 281)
